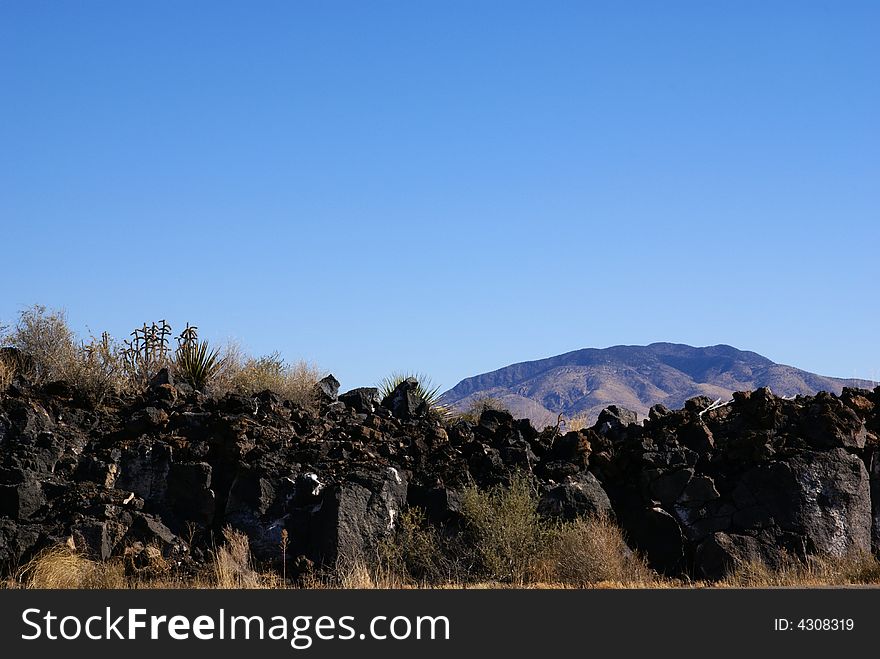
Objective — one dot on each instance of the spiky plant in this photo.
(425, 389)
(197, 364)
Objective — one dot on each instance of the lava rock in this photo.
(363, 400)
(404, 402)
(581, 495)
(328, 388)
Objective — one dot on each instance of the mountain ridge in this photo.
(582, 382)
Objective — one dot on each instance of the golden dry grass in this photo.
(813, 571)
(592, 550)
(7, 374)
(248, 375)
(579, 422)
(63, 567)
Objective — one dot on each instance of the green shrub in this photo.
(504, 531)
(425, 390)
(415, 554)
(197, 364)
(147, 352)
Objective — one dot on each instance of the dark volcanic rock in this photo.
(581, 495)
(328, 387)
(363, 400)
(167, 470)
(404, 402)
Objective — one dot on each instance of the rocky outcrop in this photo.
(694, 489)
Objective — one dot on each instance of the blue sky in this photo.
(450, 186)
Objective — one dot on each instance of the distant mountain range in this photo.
(583, 382)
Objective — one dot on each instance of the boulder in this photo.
(363, 400)
(404, 402)
(328, 388)
(614, 416)
(356, 515)
(580, 496)
(821, 498)
(656, 533)
(721, 553)
(21, 500)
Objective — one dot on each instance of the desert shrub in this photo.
(50, 351)
(415, 554)
(473, 411)
(233, 567)
(63, 567)
(591, 550)
(857, 568)
(46, 338)
(98, 368)
(7, 374)
(579, 422)
(294, 382)
(504, 531)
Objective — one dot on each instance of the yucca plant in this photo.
(425, 389)
(197, 364)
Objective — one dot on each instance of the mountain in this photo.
(585, 381)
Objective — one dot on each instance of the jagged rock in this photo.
(614, 416)
(328, 388)
(146, 420)
(144, 471)
(667, 486)
(404, 402)
(493, 420)
(697, 436)
(822, 497)
(189, 492)
(655, 532)
(22, 500)
(874, 480)
(163, 377)
(722, 553)
(657, 412)
(363, 400)
(697, 404)
(828, 423)
(355, 515)
(759, 475)
(579, 496)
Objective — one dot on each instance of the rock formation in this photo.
(171, 467)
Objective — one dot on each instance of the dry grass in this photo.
(233, 567)
(580, 422)
(7, 374)
(585, 554)
(357, 574)
(416, 554)
(811, 571)
(54, 353)
(293, 382)
(100, 366)
(591, 551)
(62, 567)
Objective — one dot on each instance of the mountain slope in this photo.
(583, 382)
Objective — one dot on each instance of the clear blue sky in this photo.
(448, 186)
